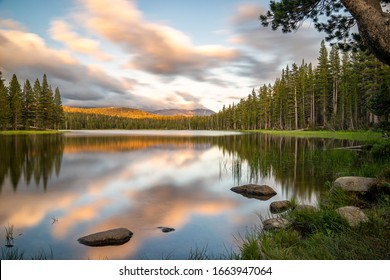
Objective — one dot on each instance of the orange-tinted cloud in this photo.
(61, 31)
(28, 55)
(247, 13)
(155, 47)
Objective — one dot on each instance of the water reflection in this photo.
(91, 183)
(31, 157)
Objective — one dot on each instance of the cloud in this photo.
(265, 51)
(155, 47)
(27, 55)
(247, 13)
(11, 24)
(61, 31)
(188, 101)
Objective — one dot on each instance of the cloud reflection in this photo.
(140, 187)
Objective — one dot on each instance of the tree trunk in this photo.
(373, 24)
(295, 107)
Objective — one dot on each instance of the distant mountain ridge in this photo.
(112, 111)
(138, 114)
(183, 112)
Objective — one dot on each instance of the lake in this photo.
(55, 189)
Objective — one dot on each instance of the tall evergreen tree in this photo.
(37, 93)
(45, 102)
(16, 105)
(312, 95)
(322, 81)
(5, 110)
(58, 111)
(29, 109)
(335, 66)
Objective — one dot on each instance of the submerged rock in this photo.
(262, 192)
(354, 215)
(280, 206)
(110, 237)
(354, 184)
(166, 229)
(275, 223)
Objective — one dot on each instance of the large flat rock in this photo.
(262, 192)
(117, 236)
(354, 183)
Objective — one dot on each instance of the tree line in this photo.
(347, 90)
(30, 107)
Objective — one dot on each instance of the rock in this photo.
(306, 207)
(116, 236)
(166, 229)
(262, 192)
(354, 215)
(354, 184)
(280, 206)
(275, 223)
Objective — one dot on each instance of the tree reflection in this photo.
(30, 157)
(300, 165)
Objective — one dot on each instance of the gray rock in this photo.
(262, 192)
(280, 206)
(166, 229)
(354, 215)
(275, 223)
(116, 236)
(354, 184)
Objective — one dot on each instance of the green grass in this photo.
(14, 253)
(24, 132)
(344, 135)
(324, 235)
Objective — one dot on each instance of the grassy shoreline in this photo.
(324, 235)
(361, 135)
(25, 132)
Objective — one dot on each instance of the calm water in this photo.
(57, 188)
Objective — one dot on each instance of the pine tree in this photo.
(36, 94)
(322, 81)
(29, 109)
(345, 91)
(335, 73)
(294, 88)
(45, 105)
(312, 95)
(16, 105)
(58, 111)
(5, 110)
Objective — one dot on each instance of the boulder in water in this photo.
(110, 237)
(262, 192)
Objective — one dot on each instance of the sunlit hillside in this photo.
(113, 111)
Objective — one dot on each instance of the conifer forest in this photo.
(31, 107)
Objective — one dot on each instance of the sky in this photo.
(148, 54)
